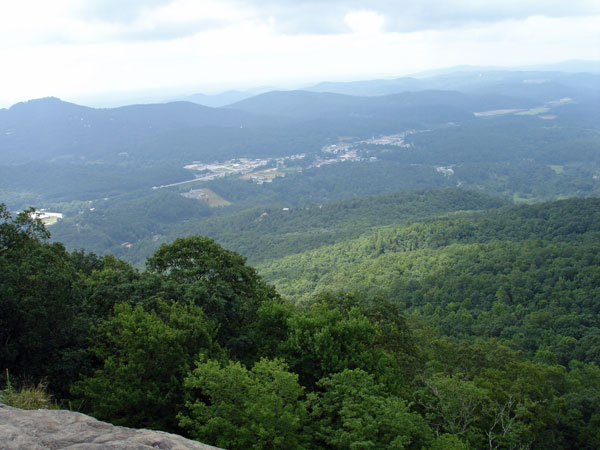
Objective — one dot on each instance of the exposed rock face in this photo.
(52, 429)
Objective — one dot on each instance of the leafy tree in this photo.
(272, 327)
(114, 283)
(452, 405)
(448, 442)
(353, 411)
(236, 408)
(17, 232)
(40, 323)
(207, 275)
(324, 340)
(145, 356)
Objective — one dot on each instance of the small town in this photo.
(265, 170)
(346, 148)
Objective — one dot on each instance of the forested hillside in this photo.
(474, 330)
(259, 233)
(526, 275)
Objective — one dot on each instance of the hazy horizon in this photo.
(160, 95)
(106, 51)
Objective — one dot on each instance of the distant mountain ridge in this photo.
(463, 80)
(431, 79)
(50, 129)
(223, 98)
(46, 129)
(307, 104)
(218, 100)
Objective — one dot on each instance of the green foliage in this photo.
(278, 233)
(41, 328)
(272, 326)
(208, 276)
(472, 330)
(448, 442)
(106, 224)
(244, 227)
(452, 404)
(339, 332)
(513, 274)
(236, 408)
(18, 231)
(352, 411)
(145, 355)
(323, 342)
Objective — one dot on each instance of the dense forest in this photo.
(260, 232)
(447, 330)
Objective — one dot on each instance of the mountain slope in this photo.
(49, 128)
(527, 276)
(473, 80)
(331, 267)
(311, 105)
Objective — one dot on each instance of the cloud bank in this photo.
(70, 48)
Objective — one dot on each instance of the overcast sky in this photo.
(90, 50)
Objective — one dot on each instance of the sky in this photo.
(99, 52)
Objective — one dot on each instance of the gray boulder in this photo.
(53, 429)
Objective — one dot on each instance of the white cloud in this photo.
(67, 51)
(365, 22)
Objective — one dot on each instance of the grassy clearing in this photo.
(215, 199)
(497, 112)
(558, 169)
(206, 195)
(526, 200)
(27, 397)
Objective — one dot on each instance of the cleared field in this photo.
(527, 200)
(206, 195)
(496, 112)
(558, 169)
(534, 111)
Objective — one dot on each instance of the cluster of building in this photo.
(349, 151)
(241, 166)
(445, 170)
(330, 154)
(47, 217)
(349, 148)
(233, 166)
(342, 154)
(397, 140)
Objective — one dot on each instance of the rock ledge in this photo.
(55, 429)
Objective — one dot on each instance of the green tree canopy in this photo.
(145, 358)
(219, 281)
(236, 408)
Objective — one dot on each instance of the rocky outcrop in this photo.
(53, 429)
